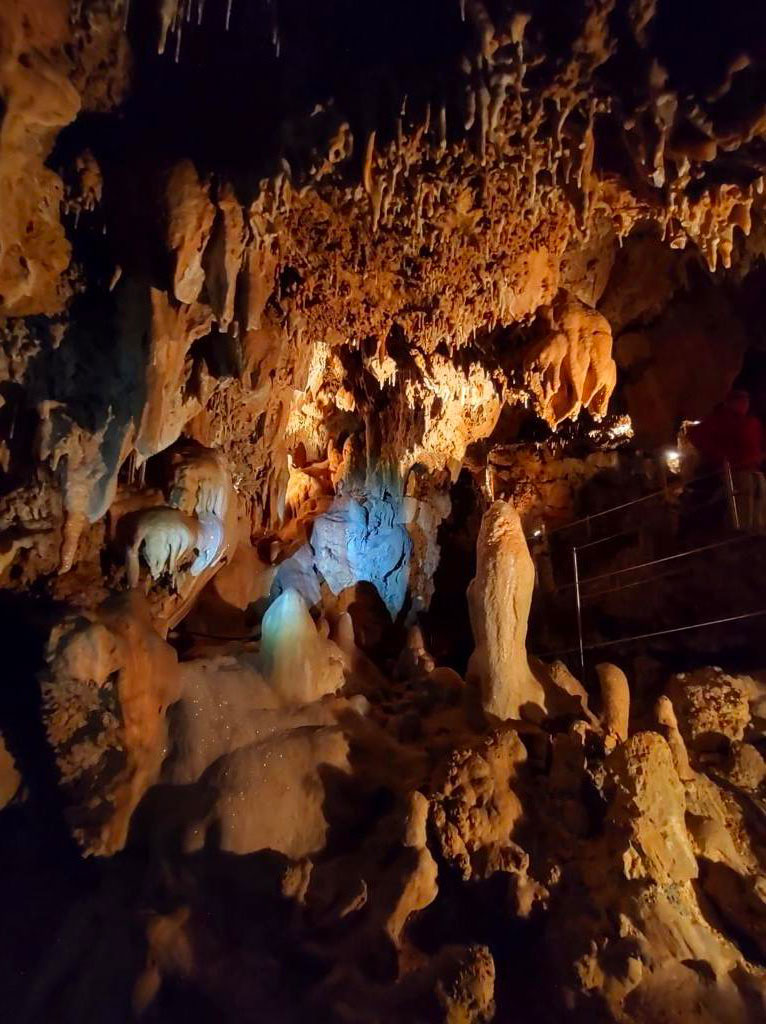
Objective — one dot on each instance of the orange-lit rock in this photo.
(499, 600)
(169, 405)
(571, 367)
(39, 99)
(190, 222)
(109, 682)
(281, 318)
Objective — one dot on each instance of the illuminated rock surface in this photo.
(499, 599)
(331, 337)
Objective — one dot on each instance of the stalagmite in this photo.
(666, 717)
(615, 698)
(499, 599)
(299, 664)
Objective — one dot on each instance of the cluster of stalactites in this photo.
(513, 169)
(174, 14)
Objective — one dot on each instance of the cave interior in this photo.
(383, 511)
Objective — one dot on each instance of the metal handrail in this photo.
(578, 582)
(656, 561)
(628, 586)
(628, 504)
(649, 636)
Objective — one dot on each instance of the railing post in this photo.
(578, 604)
(731, 495)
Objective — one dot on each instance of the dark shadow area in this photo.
(446, 623)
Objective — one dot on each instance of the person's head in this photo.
(738, 401)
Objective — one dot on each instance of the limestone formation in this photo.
(499, 599)
(165, 538)
(666, 717)
(245, 578)
(190, 221)
(564, 694)
(474, 808)
(571, 367)
(43, 83)
(651, 804)
(641, 967)
(312, 316)
(711, 706)
(200, 481)
(109, 681)
(615, 698)
(299, 663)
(225, 704)
(169, 401)
(357, 541)
(269, 795)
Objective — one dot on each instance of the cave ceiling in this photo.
(259, 223)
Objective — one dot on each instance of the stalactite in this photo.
(369, 155)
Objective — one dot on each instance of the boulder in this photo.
(270, 795)
(712, 708)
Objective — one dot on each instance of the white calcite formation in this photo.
(165, 539)
(299, 664)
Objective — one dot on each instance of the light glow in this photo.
(673, 460)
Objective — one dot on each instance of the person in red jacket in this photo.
(732, 434)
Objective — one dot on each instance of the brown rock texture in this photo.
(615, 698)
(10, 780)
(473, 808)
(46, 76)
(109, 682)
(712, 708)
(310, 314)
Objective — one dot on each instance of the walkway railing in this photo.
(579, 582)
(648, 636)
